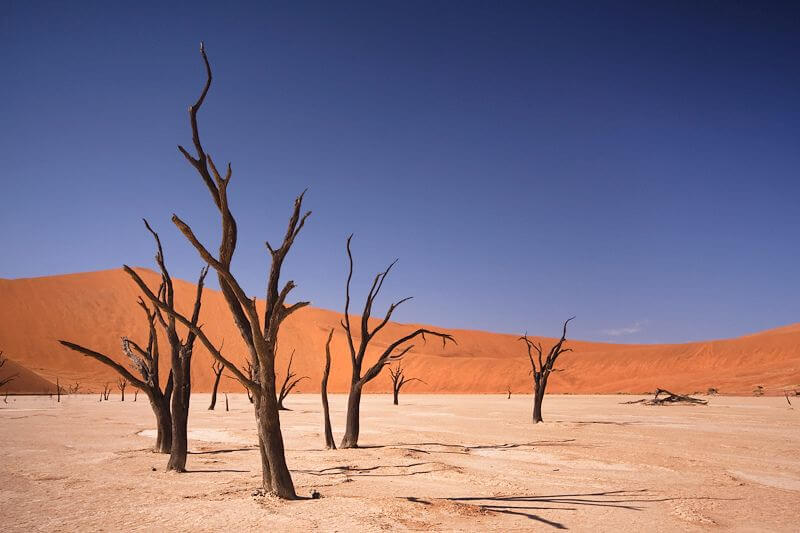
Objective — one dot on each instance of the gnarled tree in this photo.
(180, 351)
(541, 372)
(217, 368)
(399, 379)
(145, 361)
(329, 443)
(289, 382)
(393, 352)
(260, 338)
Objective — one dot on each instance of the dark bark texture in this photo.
(393, 352)
(217, 367)
(398, 380)
(541, 371)
(145, 362)
(329, 442)
(290, 381)
(260, 337)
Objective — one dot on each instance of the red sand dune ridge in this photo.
(97, 308)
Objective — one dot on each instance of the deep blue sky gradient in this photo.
(635, 165)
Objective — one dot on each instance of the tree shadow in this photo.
(216, 471)
(629, 500)
(225, 450)
(599, 422)
(368, 471)
(461, 449)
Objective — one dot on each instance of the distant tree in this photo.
(59, 388)
(145, 362)
(106, 391)
(541, 371)
(289, 382)
(135, 394)
(8, 379)
(758, 391)
(358, 380)
(121, 384)
(399, 379)
(217, 368)
(329, 442)
(508, 389)
(74, 389)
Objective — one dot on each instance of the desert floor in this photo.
(436, 462)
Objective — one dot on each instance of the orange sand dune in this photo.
(97, 308)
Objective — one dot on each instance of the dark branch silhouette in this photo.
(399, 379)
(289, 382)
(329, 442)
(394, 351)
(541, 368)
(217, 368)
(145, 363)
(260, 338)
(121, 384)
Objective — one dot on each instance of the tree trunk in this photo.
(329, 442)
(350, 439)
(396, 393)
(538, 396)
(180, 416)
(275, 473)
(214, 392)
(163, 425)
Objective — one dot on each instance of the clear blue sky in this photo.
(637, 166)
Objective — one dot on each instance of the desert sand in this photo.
(436, 462)
(96, 308)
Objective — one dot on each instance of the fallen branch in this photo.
(669, 398)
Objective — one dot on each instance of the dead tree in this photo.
(665, 397)
(58, 390)
(541, 372)
(329, 442)
(121, 384)
(145, 362)
(180, 349)
(8, 379)
(399, 379)
(248, 369)
(289, 382)
(217, 368)
(106, 391)
(74, 389)
(261, 338)
(358, 380)
(508, 388)
(135, 394)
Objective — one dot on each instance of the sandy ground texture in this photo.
(436, 462)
